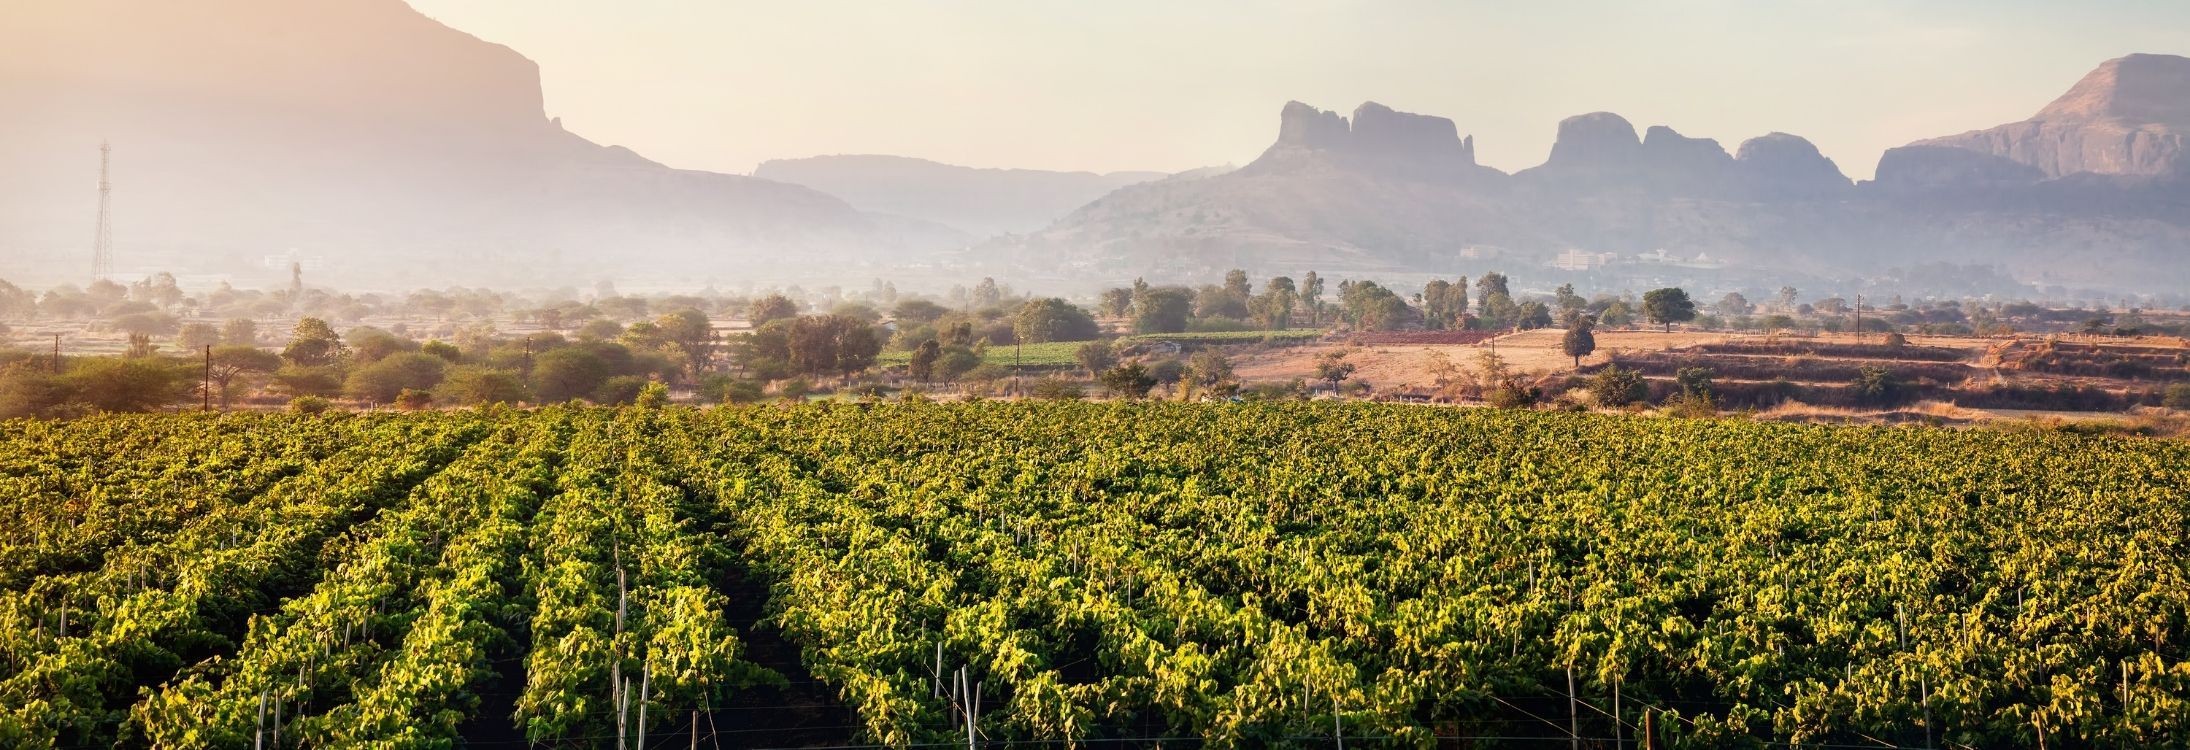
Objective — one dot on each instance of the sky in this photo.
(1176, 84)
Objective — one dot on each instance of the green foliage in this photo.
(1162, 309)
(1058, 389)
(473, 386)
(1668, 306)
(313, 343)
(1128, 381)
(309, 405)
(1617, 386)
(2177, 396)
(770, 308)
(1877, 386)
(383, 380)
(1241, 575)
(1052, 319)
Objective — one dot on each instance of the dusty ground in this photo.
(1401, 367)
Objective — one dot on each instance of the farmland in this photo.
(1244, 575)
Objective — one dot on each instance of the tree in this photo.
(1220, 302)
(568, 373)
(483, 385)
(832, 345)
(197, 336)
(368, 345)
(1493, 283)
(1208, 367)
(124, 385)
(1445, 304)
(1311, 296)
(1162, 310)
(1617, 386)
(1735, 304)
(1095, 356)
(692, 335)
(1668, 306)
(2177, 397)
(1567, 300)
(1787, 295)
(1052, 319)
(1274, 309)
(1695, 382)
(382, 381)
(917, 311)
(313, 343)
(1532, 315)
(232, 362)
(240, 332)
(1128, 381)
(1876, 386)
(1333, 368)
(922, 365)
(769, 308)
(1580, 339)
(1235, 283)
(987, 294)
(1370, 307)
(1116, 302)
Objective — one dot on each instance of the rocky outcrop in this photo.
(397, 150)
(1397, 139)
(1923, 168)
(1597, 141)
(2131, 116)
(1779, 166)
(1378, 139)
(1301, 126)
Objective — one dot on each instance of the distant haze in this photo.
(1169, 86)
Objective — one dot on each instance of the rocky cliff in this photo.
(391, 148)
(2129, 117)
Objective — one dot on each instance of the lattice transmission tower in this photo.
(102, 244)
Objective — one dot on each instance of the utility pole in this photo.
(102, 243)
(56, 354)
(205, 392)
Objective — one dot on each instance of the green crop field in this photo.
(1234, 575)
(1047, 354)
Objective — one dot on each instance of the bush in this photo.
(309, 405)
(412, 399)
(653, 396)
(1058, 389)
(723, 389)
(2178, 397)
(1617, 386)
(619, 391)
(1512, 395)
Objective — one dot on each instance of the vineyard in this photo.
(1084, 574)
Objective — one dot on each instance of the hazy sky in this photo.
(1176, 84)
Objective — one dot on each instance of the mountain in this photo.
(375, 143)
(2128, 117)
(1400, 194)
(979, 202)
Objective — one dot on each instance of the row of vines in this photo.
(1241, 575)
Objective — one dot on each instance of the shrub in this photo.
(2178, 397)
(1617, 386)
(619, 390)
(653, 396)
(412, 399)
(1058, 389)
(309, 405)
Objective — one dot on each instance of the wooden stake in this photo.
(1573, 710)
